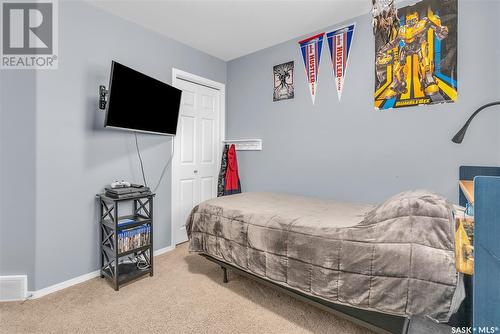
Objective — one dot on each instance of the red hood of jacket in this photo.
(232, 177)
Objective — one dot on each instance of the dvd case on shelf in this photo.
(133, 238)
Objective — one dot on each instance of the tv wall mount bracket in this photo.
(103, 97)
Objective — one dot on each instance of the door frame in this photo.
(196, 79)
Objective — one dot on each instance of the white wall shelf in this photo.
(245, 144)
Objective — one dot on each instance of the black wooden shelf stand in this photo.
(111, 268)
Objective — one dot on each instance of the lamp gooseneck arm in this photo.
(459, 136)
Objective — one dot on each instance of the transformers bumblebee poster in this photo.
(416, 59)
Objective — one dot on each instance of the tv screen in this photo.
(139, 102)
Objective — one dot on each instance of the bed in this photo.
(394, 260)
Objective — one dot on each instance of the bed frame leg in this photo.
(225, 274)
(406, 326)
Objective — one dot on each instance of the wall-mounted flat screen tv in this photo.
(140, 103)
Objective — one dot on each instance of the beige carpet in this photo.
(186, 295)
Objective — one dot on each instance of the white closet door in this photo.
(197, 146)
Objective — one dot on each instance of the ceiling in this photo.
(231, 29)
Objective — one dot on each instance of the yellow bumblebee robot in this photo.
(413, 35)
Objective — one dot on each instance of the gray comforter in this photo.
(395, 258)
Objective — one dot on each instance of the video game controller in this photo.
(120, 184)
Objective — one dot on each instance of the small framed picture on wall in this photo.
(283, 81)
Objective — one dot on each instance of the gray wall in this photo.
(349, 151)
(17, 173)
(75, 157)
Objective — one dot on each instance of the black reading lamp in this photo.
(457, 139)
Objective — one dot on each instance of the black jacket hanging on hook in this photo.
(221, 185)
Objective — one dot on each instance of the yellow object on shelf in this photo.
(464, 249)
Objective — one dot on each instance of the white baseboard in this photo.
(13, 288)
(163, 250)
(63, 285)
(80, 279)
